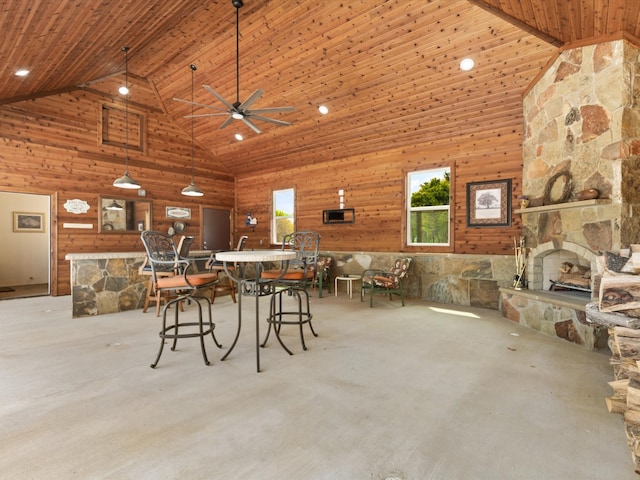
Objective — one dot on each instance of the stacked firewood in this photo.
(625, 347)
(571, 274)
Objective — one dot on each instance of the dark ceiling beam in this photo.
(517, 23)
(8, 101)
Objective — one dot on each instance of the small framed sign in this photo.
(178, 212)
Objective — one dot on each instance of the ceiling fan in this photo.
(239, 110)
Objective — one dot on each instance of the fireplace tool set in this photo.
(521, 264)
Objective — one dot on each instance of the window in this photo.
(283, 221)
(428, 212)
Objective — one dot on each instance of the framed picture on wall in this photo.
(489, 203)
(28, 222)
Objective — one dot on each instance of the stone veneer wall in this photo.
(111, 285)
(583, 117)
(470, 280)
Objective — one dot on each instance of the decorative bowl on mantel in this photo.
(588, 194)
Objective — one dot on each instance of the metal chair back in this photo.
(162, 253)
(306, 244)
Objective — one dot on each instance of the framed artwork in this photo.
(28, 222)
(489, 203)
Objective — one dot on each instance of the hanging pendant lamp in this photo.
(192, 190)
(126, 181)
(114, 206)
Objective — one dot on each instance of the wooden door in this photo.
(216, 229)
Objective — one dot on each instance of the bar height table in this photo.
(256, 287)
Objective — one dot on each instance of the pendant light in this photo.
(126, 181)
(114, 206)
(191, 190)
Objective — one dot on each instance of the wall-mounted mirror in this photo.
(124, 215)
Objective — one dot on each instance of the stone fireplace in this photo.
(581, 133)
(548, 263)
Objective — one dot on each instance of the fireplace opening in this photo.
(562, 270)
(572, 277)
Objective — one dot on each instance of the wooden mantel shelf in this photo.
(562, 206)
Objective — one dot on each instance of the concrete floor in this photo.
(420, 392)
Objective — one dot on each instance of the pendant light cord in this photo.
(126, 109)
(193, 146)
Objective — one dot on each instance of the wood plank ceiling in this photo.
(387, 70)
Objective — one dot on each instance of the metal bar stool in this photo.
(294, 282)
(162, 252)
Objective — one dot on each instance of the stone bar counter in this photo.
(104, 283)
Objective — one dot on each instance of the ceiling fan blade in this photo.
(207, 115)
(270, 110)
(251, 100)
(270, 120)
(251, 124)
(198, 104)
(218, 96)
(226, 122)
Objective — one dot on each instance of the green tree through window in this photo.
(433, 192)
(428, 214)
(283, 221)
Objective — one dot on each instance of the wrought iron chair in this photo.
(294, 282)
(184, 245)
(164, 256)
(214, 266)
(385, 281)
(323, 274)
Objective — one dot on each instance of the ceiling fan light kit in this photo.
(239, 110)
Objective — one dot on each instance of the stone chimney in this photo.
(581, 132)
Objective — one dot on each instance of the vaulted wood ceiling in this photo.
(387, 70)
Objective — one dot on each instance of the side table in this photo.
(349, 279)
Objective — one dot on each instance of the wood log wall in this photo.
(374, 186)
(51, 146)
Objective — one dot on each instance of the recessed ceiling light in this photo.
(323, 110)
(239, 137)
(467, 64)
(22, 72)
(123, 90)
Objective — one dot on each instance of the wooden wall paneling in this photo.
(53, 247)
(374, 186)
(51, 145)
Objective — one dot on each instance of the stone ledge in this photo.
(553, 298)
(103, 255)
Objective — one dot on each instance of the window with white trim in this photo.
(428, 199)
(283, 216)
